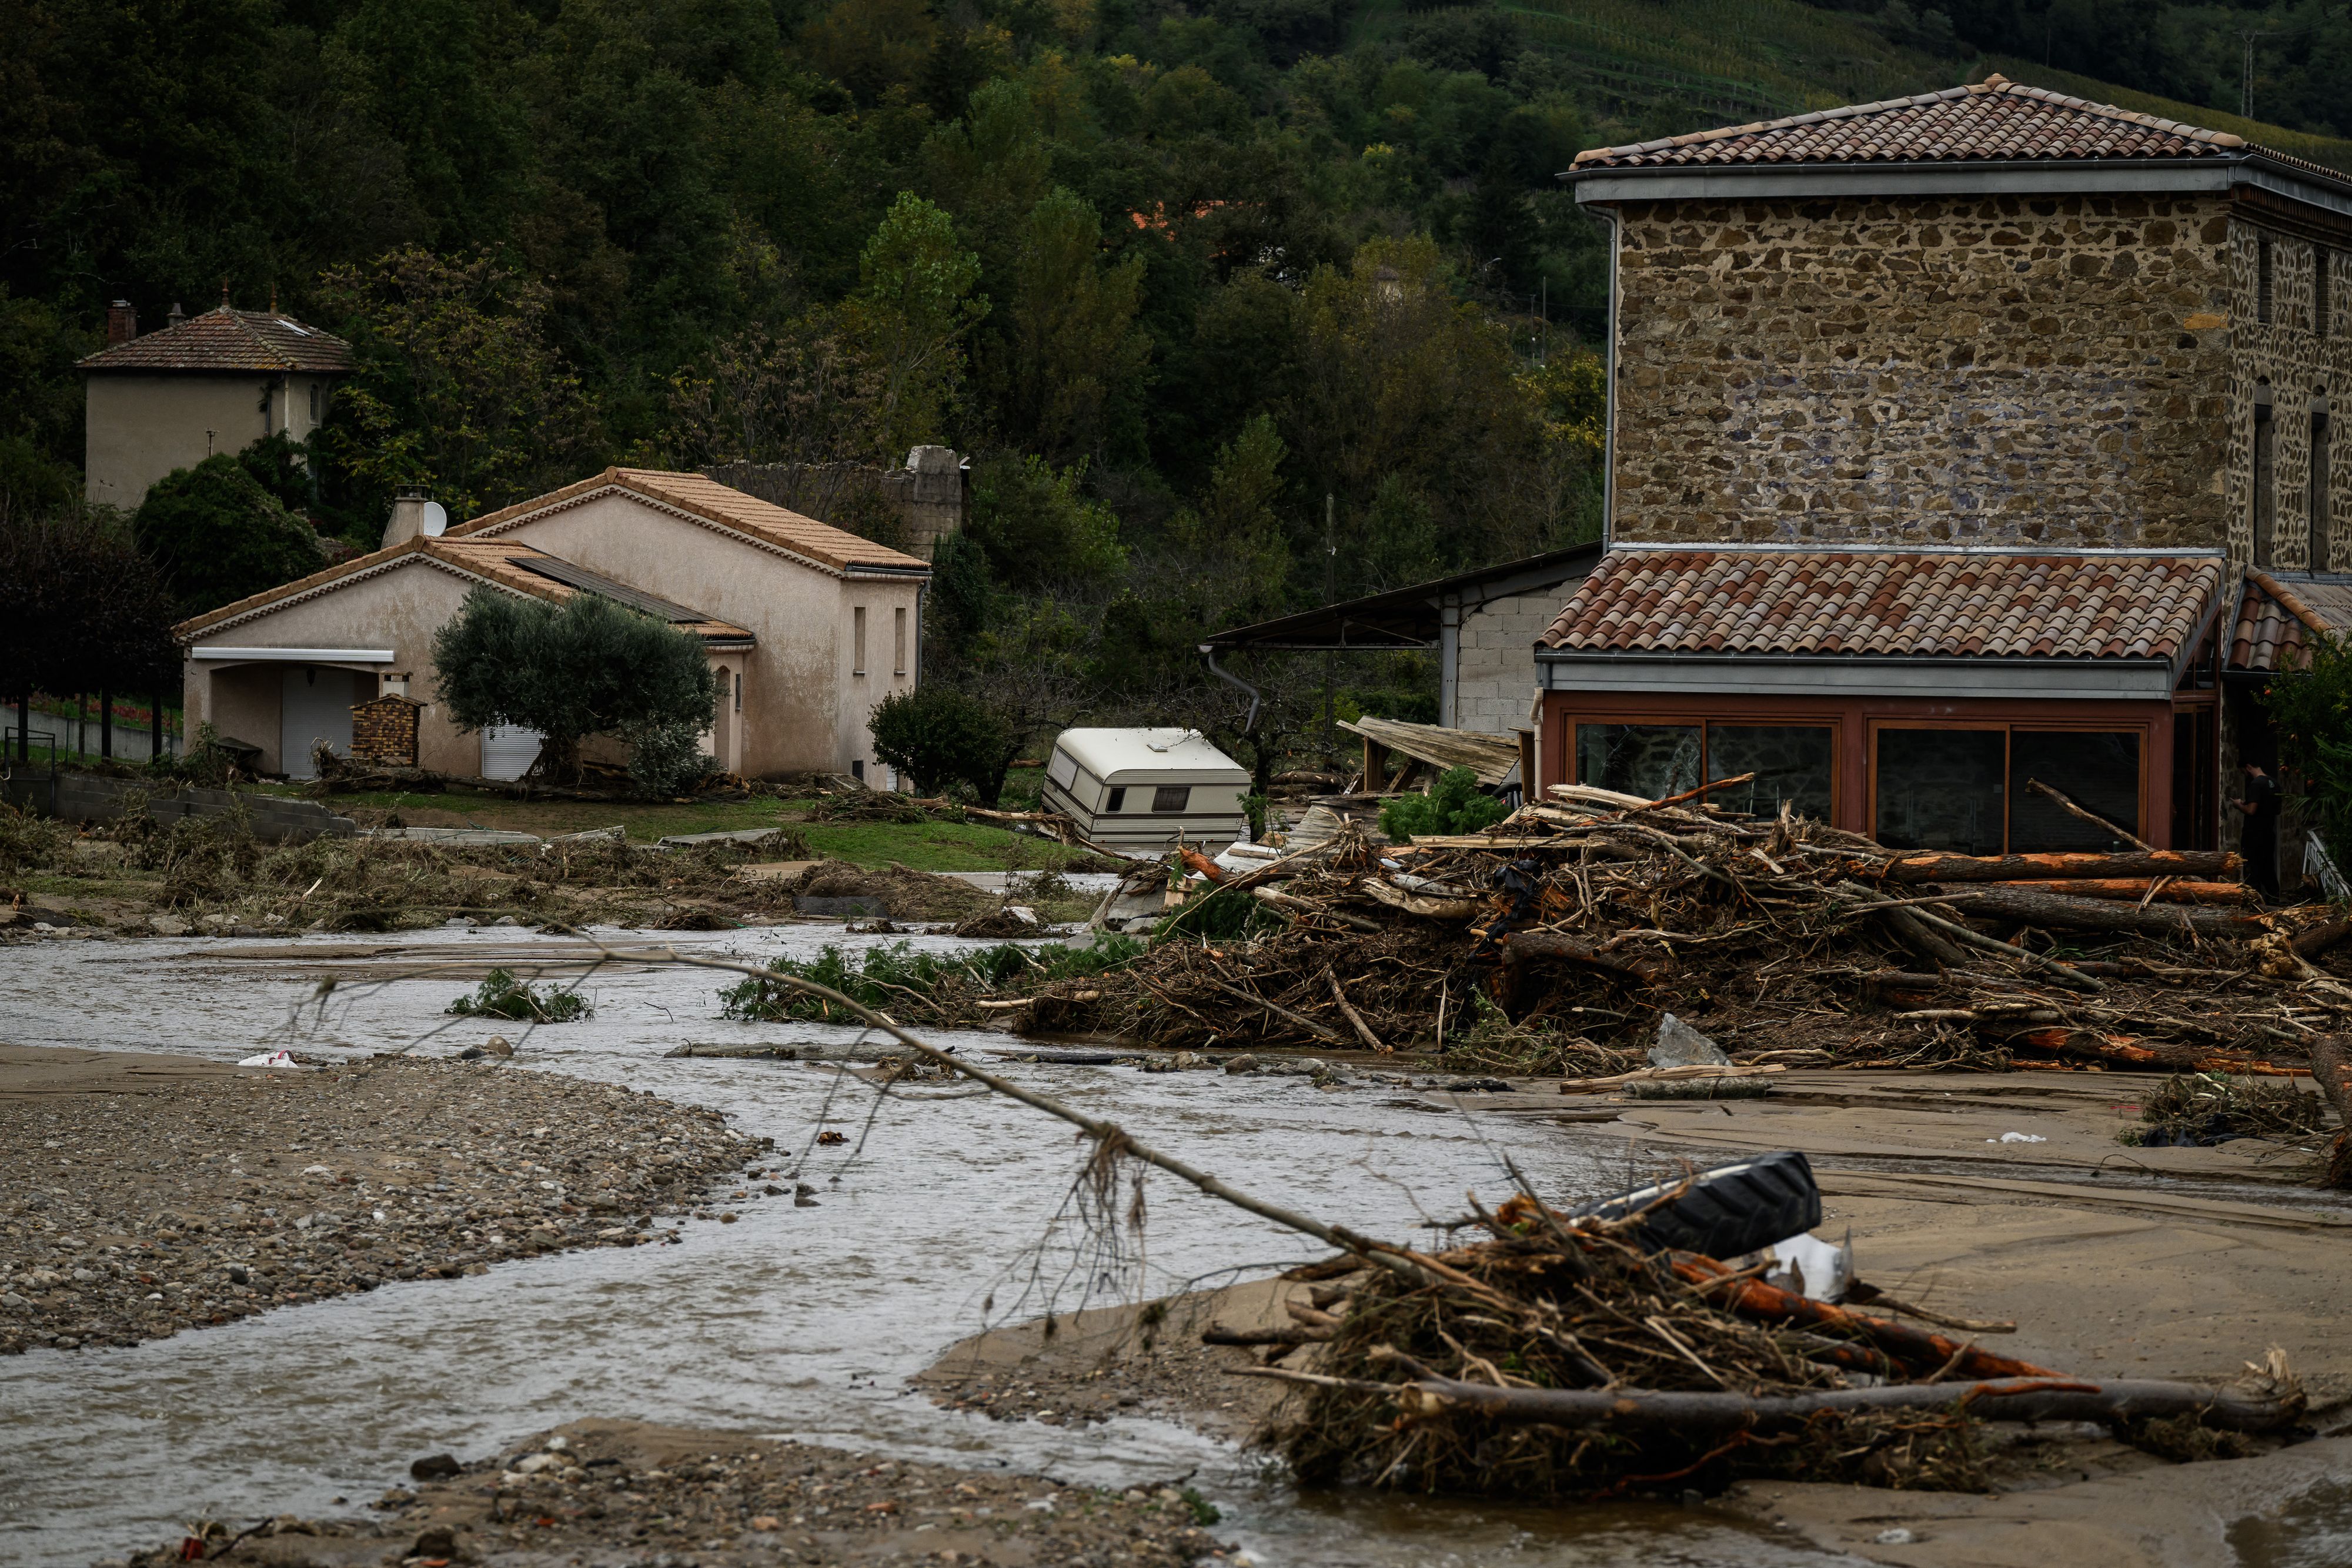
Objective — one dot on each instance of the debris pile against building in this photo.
(1556, 941)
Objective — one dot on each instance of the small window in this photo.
(857, 640)
(1117, 800)
(857, 769)
(314, 402)
(1171, 797)
(2265, 275)
(739, 691)
(2323, 315)
(898, 642)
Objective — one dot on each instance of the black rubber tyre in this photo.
(1729, 1210)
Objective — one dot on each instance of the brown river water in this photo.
(797, 1320)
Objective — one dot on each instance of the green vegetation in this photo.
(1453, 805)
(501, 996)
(2311, 707)
(216, 536)
(587, 666)
(885, 978)
(940, 735)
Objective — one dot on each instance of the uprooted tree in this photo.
(585, 667)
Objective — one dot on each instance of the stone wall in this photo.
(2042, 370)
(2298, 359)
(906, 508)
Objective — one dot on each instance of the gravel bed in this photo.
(127, 1216)
(627, 1495)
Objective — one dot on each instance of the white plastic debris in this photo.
(2019, 1138)
(1819, 1270)
(278, 1059)
(1679, 1045)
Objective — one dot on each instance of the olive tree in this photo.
(587, 666)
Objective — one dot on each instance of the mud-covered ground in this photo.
(141, 1195)
(208, 877)
(612, 1492)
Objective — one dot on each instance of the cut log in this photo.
(2133, 889)
(2007, 1399)
(2046, 909)
(2320, 938)
(2206, 865)
(1521, 946)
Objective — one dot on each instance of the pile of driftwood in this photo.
(1560, 1358)
(1554, 942)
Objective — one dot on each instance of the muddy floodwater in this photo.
(796, 1320)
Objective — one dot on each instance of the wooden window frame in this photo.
(1834, 724)
(2007, 727)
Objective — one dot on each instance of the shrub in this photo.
(668, 759)
(1454, 804)
(28, 842)
(501, 996)
(938, 736)
(217, 536)
(2312, 708)
(880, 977)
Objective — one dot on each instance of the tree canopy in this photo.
(585, 667)
(216, 536)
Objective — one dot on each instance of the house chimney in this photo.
(176, 316)
(121, 323)
(407, 517)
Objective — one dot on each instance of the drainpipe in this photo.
(1449, 660)
(1209, 652)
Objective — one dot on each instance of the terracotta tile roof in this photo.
(1888, 603)
(837, 548)
(1995, 119)
(505, 562)
(2276, 618)
(229, 341)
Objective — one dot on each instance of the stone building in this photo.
(204, 384)
(1943, 435)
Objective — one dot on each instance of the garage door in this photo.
(508, 751)
(315, 704)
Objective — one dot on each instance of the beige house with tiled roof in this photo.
(1942, 432)
(806, 626)
(208, 383)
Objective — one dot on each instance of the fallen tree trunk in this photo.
(2202, 864)
(1521, 946)
(1914, 1350)
(2030, 1399)
(2046, 909)
(2133, 889)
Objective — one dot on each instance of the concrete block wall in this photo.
(1496, 672)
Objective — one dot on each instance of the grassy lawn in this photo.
(924, 846)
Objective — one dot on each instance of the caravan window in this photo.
(1171, 797)
(1118, 802)
(1064, 770)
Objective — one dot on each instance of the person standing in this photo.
(2261, 806)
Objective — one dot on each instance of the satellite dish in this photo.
(435, 518)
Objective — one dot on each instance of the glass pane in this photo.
(1791, 762)
(2099, 771)
(1652, 760)
(1940, 790)
(1171, 797)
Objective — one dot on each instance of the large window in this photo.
(1791, 762)
(1970, 792)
